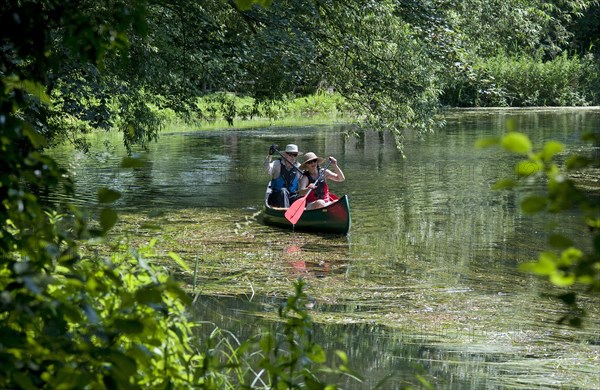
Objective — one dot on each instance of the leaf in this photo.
(570, 256)
(36, 89)
(179, 261)
(516, 143)
(342, 355)
(534, 204)
(546, 264)
(106, 195)
(504, 184)
(129, 326)
(562, 279)
(36, 138)
(108, 218)
(149, 295)
(551, 149)
(568, 298)
(528, 167)
(122, 364)
(424, 382)
(317, 355)
(577, 162)
(511, 125)
(23, 381)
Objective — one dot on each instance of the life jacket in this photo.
(322, 190)
(287, 179)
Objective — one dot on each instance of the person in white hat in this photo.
(285, 175)
(319, 192)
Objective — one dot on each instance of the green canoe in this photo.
(334, 218)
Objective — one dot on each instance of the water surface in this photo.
(427, 280)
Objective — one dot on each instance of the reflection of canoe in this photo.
(334, 218)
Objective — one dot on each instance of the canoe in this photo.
(334, 218)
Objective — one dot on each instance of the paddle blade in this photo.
(295, 211)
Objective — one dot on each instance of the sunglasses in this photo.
(312, 162)
(291, 154)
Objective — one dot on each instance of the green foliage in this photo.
(93, 322)
(292, 359)
(525, 81)
(229, 107)
(573, 262)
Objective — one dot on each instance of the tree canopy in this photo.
(68, 68)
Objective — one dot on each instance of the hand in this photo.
(333, 161)
(272, 149)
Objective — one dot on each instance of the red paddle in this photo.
(296, 210)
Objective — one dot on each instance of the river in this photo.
(425, 283)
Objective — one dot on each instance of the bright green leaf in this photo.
(561, 279)
(503, 184)
(546, 264)
(551, 149)
(317, 355)
(570, 256)
(179, 261)
(528, 167)
(516, 143)
(342, 355)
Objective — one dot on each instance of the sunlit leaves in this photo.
(179, 261)
(528, 167)
(516, 142)
(571, 265)
(551, 149)
(504, 184)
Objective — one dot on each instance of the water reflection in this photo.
(430, 244)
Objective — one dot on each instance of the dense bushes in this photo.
(230, 107)
(510, 81)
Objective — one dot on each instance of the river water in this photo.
(427, 280)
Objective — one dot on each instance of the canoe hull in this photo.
(334, 218)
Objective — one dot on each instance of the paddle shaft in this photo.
(289, 162)
(296, 210)
(320, 178)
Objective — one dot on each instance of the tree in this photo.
(69, 320)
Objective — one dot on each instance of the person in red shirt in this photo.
(319, 192)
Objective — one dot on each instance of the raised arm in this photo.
(337, 174)
(272, 168)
